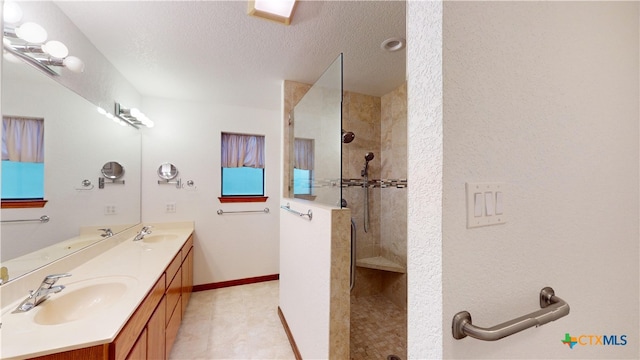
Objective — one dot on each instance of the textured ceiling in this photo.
(213, 51)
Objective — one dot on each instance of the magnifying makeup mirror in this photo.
(167, 171)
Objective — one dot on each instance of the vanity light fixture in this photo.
(27, 42)
(110, 116)
(276, 10)
(133, 117)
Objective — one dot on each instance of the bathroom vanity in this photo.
(125, 303)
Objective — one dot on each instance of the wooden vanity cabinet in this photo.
(156, 344)
(153, 327)
(139, 350)
(130, 335)
(187, 273)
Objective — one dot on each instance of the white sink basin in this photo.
(83, 299)
(156, 238)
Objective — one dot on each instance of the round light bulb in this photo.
(135, 113)
(11, 12)
(150, 124)
(110, 116)
(74, 64)
(122, 123)
(32, 32)
(56, 49)
(101, 111)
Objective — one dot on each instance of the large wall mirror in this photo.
(78, 141)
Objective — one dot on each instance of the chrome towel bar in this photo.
(553, 308)
(42, 219)
(220, 211)
(287, 207)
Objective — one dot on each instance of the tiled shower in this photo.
(379, 297)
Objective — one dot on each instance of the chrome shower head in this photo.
(347, 136)
(367, 157)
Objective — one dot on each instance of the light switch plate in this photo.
(488, 195)
(110, 209)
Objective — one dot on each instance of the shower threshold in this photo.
(381, 263)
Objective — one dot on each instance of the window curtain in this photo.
(303, 154)
(23, 139)
(239, 150)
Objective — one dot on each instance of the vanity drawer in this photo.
(172, 328)
(173, 267)
(173, 294)
(186, 247)
(187, 279)
(134, 327)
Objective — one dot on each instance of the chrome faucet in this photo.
(146, 230)
(107, 232)
(35, 298)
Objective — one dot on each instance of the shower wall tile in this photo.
(394, 229)
(386, 137)
(394, 288)
(399, 100)
(393, 202)
(340, 308)
(361, 114)
(394, 134)
(368, 282)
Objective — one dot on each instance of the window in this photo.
(302, 182)
(242, 165)
(22, 159)
(303, 165)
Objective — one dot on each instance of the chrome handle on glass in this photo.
(352, 280)
(552, 308)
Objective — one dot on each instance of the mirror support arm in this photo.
(177, 182)
(101, 182)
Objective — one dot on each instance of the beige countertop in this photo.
(138, 265)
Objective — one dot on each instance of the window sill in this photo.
(305, 196)
(242, 199)
(23, 204)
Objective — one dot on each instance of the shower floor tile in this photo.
(378, 328)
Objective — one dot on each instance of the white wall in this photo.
(544, 97)
(305, 279)
(424, 173)
(187, 134)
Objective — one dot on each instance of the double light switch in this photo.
(485, 204)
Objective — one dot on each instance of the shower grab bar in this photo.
(553, 308)
(287, 207)
(42, 219)
(354, 237)
(220, 211)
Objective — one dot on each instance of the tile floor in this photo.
(242, 322)
(239, 322)
(378, 328)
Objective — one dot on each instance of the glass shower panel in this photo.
(317, 157)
